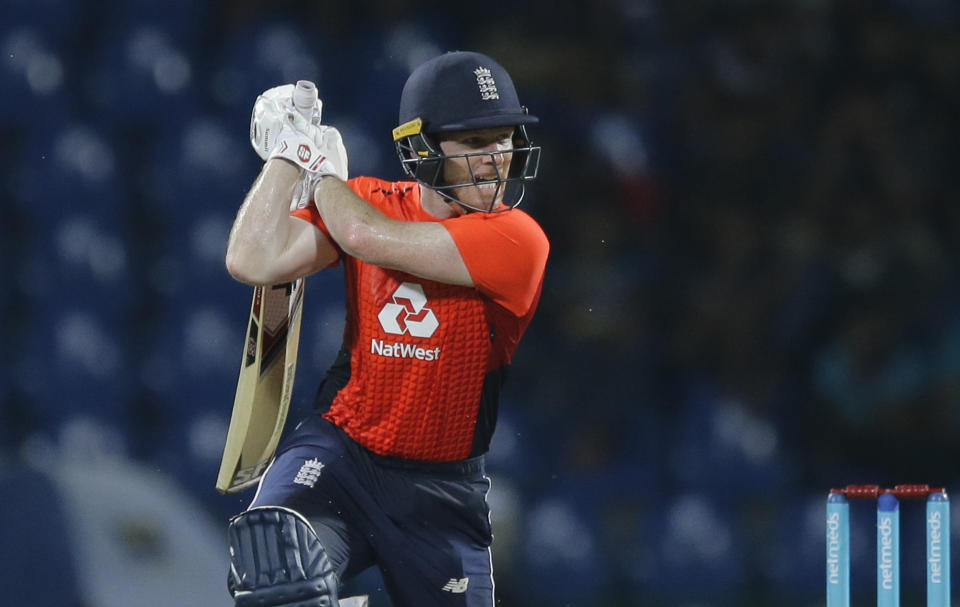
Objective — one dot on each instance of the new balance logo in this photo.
(309, 473)
(456, 586)
(408, 313)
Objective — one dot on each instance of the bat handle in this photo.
(304, 98)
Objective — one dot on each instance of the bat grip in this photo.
(304, 98)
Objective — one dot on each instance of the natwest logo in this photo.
(408, 313)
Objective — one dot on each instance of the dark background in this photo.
(752, 294)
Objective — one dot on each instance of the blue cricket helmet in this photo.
(461, 91)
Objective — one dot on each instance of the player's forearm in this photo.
(358, 228)
(261, 230)
(421, 248)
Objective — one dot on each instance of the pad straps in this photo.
(276, 560)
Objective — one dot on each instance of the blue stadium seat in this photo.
(264, 55)
(190, 371)
(563, 560)
(72, 198)
(364, 104)
(698, 550)
(33, 75)
(194, 362)
(389, 56)
(194, 452)
(619, 140)
(370, 150)
(203, 153)
(75, 360)
(726, 449)
(70, 164)
(142, 75)
(202, 171)
(82, 259)
(75, 271)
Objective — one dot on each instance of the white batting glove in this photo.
(317, 149)
(272, 109)
(328, 143)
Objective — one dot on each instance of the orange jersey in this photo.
(420, 372)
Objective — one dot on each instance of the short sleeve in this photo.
(310, 214)
(505, 253)
(360, 185)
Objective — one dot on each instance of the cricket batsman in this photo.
(442, 276)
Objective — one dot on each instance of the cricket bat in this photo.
(265, 385)
(267, 368)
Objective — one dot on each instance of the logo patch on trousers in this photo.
(456, 586)
(309, 473)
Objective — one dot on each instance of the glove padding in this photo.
(272, 109)
(317, 149)
(278, 129)
(329, 144)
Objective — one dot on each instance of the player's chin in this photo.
(486, 196)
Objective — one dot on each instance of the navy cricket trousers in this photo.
(426, 525)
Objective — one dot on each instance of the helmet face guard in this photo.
(422, 159)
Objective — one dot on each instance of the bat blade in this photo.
(264, 385)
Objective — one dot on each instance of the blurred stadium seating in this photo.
(753, 292)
